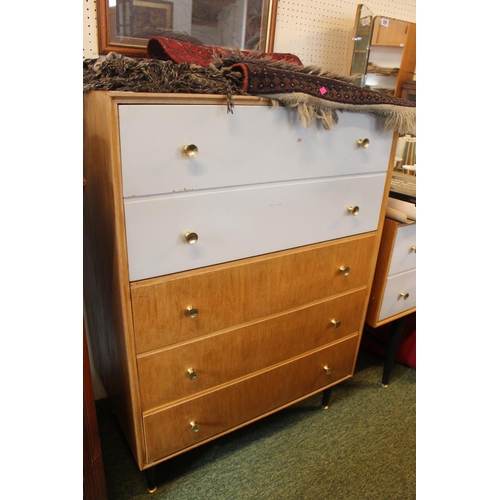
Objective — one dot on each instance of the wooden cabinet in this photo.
(228, 259)
(392, 57)
(390, 32)
(394, 287)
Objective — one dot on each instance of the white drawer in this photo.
(394, 302)
(242, 222)
(403, 257)
(255, 144)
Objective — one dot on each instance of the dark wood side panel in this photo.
(94, 481)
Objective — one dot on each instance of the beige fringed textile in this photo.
(117, 72)
(398, 118)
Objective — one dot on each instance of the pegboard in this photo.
(90, 44)
(318, 31)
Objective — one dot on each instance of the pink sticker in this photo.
(322, 90)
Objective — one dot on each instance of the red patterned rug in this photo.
(181, 51)
(281, 77)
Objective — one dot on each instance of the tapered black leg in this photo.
(326, 398)
(151, 479)
(396, 332)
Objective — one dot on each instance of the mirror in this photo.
(361, 44)
(125, 26)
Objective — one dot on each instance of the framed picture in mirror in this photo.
(125, 26)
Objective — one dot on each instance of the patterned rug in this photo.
(320, 95)
(181, 66)
(180, 51)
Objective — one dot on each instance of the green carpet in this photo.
(362, 448)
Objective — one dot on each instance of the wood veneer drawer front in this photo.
(170, 430)
(239, 223)
(404, 254)
(254, 144)
(192, 367)
(396, 288)
(231, 294)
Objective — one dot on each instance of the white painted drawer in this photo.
(403, 257)
(394, 302)
(242, 222)
(255, 144)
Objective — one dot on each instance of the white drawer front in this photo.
(255, 144)
(394, 302)
(403, 257)
(237, 223)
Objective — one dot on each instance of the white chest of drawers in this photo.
(394, 286)
(223, 287)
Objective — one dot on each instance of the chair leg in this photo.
(395, 335)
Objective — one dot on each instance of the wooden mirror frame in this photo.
(106, 46)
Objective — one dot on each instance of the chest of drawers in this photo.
(394, 286)
(228, 259)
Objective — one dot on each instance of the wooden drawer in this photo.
(168, 431)
(404, 253)
(280, 148)
(232, 353)
(238, 223)
(393, 302)
(235, 293)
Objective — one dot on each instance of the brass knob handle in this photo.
(328, 369)
(191, 238)
(345, 270)
(353, 210)
(363, 143)
(191, 150)
(192, 374)
(194, 426)
(336, 323)
(191, 312)
(413, 248)
(404, 295)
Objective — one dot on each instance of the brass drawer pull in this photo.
(364, 143)
(353, 210)
(192, 374)
(404, 295)
(191, 150)
(413, 248)
(191, 312)
(345, 270)
(194, 426)
(191, 238)
(328, 369)
(336, 323)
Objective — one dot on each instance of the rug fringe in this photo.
(397, 118)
